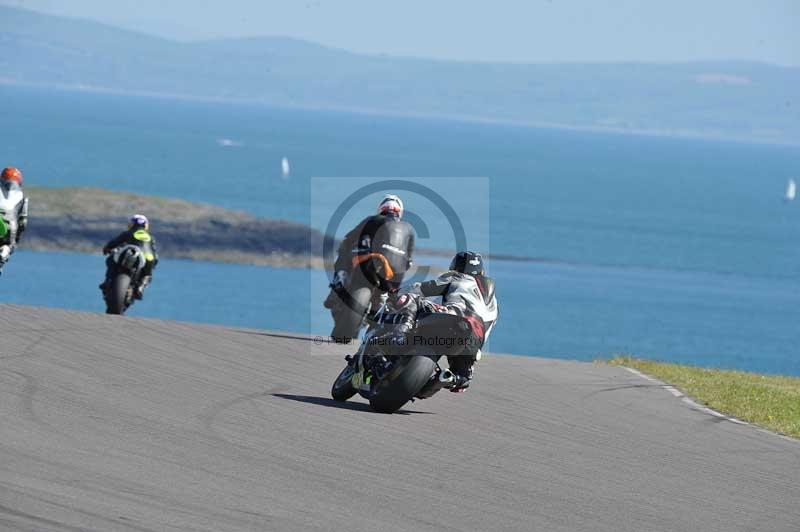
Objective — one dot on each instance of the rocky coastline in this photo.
(84, 219)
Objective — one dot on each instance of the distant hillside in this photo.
(740, 100)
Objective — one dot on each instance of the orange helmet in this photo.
(12, 174)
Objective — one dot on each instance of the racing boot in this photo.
(337, 286)
(462, 368)
(331, 300)
(462, 380)
(106, 282)
(5, 252)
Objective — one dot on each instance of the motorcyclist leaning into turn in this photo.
(14, 212)
(384, 234)
(137, 234)
(468, 307)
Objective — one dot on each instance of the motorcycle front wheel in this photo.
(342, 389)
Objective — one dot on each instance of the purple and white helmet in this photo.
(139, 220)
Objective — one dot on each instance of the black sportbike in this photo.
(128, 265)
(391, 374)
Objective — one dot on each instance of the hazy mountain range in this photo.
(742, 100)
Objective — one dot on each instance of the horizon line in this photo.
(390, 56)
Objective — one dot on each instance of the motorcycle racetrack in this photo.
(112, 423)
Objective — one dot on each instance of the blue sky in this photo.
(505, 30)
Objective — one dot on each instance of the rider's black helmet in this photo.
(467, 262)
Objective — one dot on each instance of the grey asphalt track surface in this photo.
(110, 423)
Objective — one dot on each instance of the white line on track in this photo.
(693, 404)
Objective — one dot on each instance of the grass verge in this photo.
(770, 401)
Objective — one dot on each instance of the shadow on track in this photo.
(623, 387)
(314, 339)
(346, 405)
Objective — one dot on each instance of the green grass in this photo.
(770, 401)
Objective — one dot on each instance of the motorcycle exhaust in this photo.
(446, 380)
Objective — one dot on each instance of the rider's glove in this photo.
(415, 289)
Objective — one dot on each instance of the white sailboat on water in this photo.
(285, 170)
(791, 190)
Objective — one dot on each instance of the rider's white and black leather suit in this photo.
(469, 293)
(465, 298)
(14, 211)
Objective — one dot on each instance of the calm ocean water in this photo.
(674, 249)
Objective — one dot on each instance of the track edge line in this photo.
(694, 405)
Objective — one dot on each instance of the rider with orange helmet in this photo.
(13, 212)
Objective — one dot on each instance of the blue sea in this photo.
(674, 249)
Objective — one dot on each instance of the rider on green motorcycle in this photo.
(137, 234)
(13, 212)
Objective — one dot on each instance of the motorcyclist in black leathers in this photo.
(137, 234)
(468, 312)
(385, 234)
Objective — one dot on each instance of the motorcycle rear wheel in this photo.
(349, 317)
(117, 293)
(391, 394)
